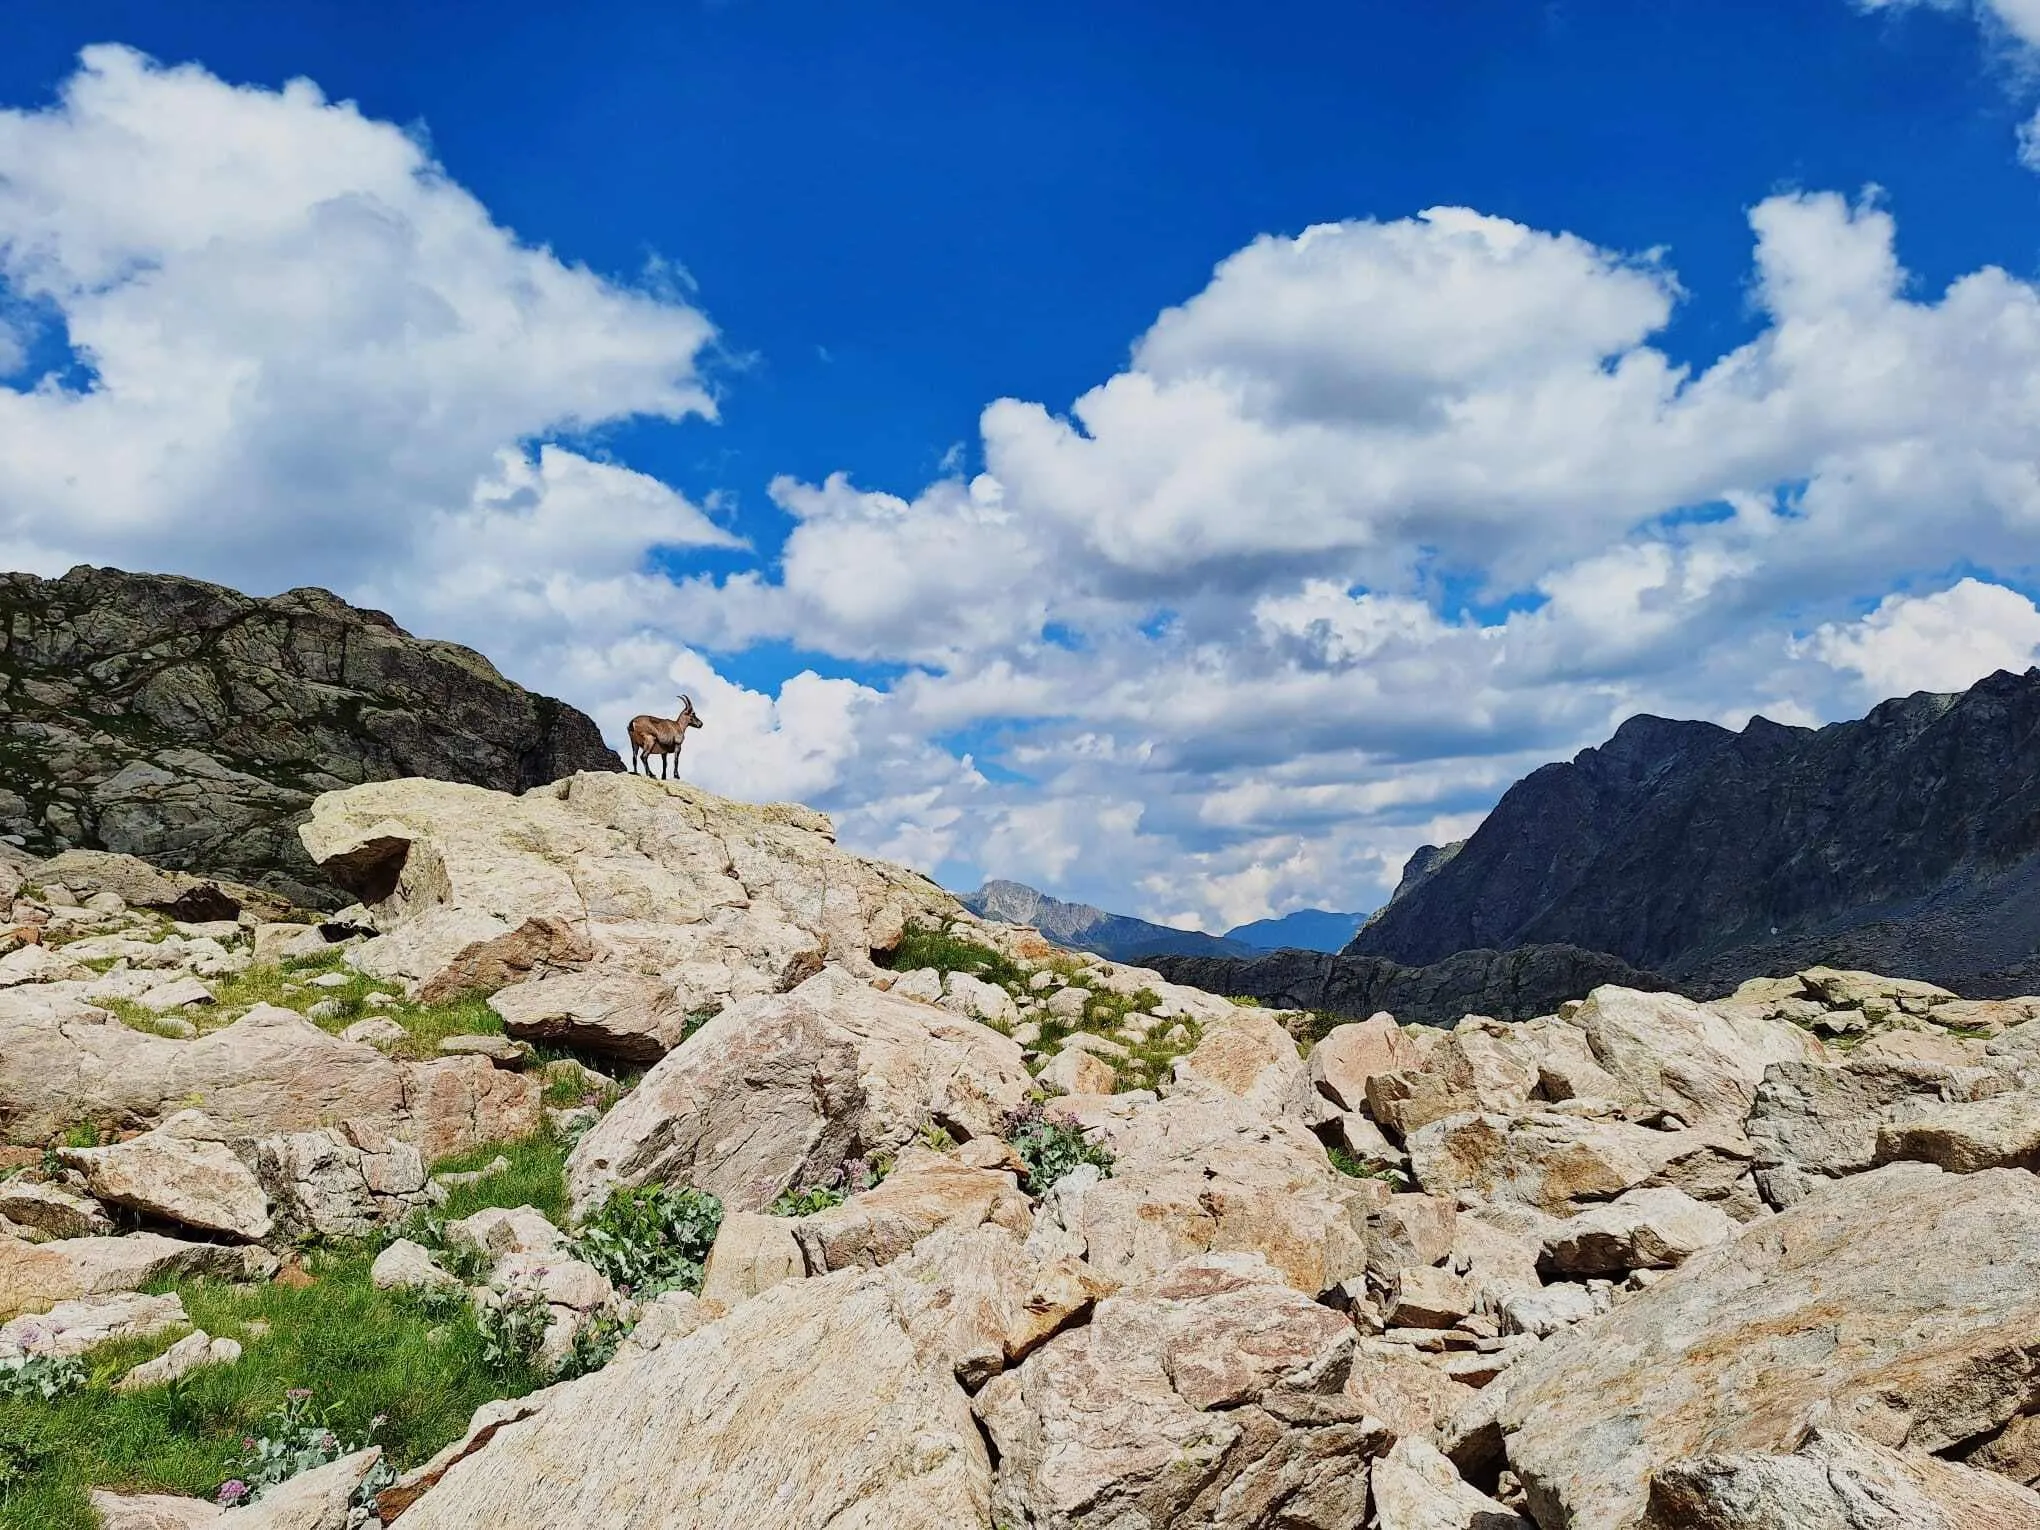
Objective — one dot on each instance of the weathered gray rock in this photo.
(717, 901)
(1853, 1309)
(496, 1231)
(809, 1405)
(1700, 1064)
(2002, 1132)
(1247, 1054)
(1836, 1481)
(1557, 1162)
(1811, 1121)
(315, 1500)
(1077, 1070)
(1207, 1174)
(184, 1172)
(981, 1300)
(73, 1327)
(926, 1192)
(1349, 1055)
(783, 1090)
(342, 1182)
(1416, 1488)
(1208, 1396)
(629, 1015)
(62, 1061)
(975, 999)
(35, 1277)
(153, 1511)
(1638, 1230)
(194, 1352)
(52, 1210)
(216, 702)
(407, 1265)
(752, 1253)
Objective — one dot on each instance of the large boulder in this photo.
(1248, 1054)
(1209, 1397)
(1416, 1488)
(1810, 1121)
(784, 1089)
(181, 1172)
(2002, 1132)
(63, 1061)
(681, 900)
(1556, 1162)
(1836, 1481)
(984, 1301)
(809, 1406)
(1349, 1055)
(1204, 1173)
(1900, 1304)
(1700, 1064)
(925, 1192)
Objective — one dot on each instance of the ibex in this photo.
(662, 736)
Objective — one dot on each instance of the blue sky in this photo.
(1174, 659)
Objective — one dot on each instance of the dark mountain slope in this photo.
(1907, 842)
(192, 726)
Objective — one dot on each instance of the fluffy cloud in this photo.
(1940, 642)
(304, 339)
(1386, 514)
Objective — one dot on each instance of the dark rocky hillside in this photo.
(192, 726)
(1906, 842)
(1504, 985)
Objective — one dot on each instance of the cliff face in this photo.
(1907, 842)
(192, 726)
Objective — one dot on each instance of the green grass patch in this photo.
(360, 1351)
(423, 1366)
(923, 946)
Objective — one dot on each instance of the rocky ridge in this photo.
(1009, 1236)
(1906, 842)
(192, 726)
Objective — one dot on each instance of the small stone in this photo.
(194, 1351)
(503, 1051)
(330, 980)
(405, 1265)
(326, 1009)
(376, 1031)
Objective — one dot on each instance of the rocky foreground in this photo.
(1008, 1236)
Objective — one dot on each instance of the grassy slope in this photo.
(361, 1351)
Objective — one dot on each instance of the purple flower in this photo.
(298, 1394)
(232, 1492)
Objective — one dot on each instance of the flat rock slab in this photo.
(71, 1328)
(35, 1277)
(1900, 1304)
(1837, 1481)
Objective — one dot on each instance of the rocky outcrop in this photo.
(808, 1406)
(64, 1061)
(192, 726)
(1509, 985)
(34, 1277)
(1900, 1304)
(1836, 1481)
(1907, 842)
(1210, 1395)
(784, 1090)
(606, 910)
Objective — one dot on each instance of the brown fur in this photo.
(662, 736)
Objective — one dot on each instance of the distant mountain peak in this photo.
(1080, 925)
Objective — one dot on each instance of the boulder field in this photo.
(1016, 1238)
